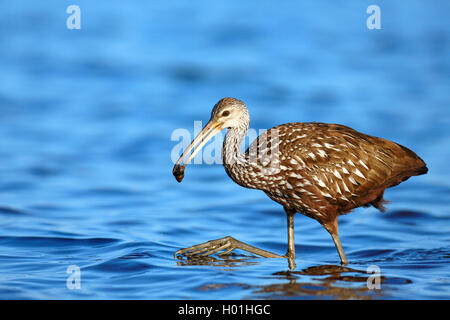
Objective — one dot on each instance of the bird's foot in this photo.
(207, 248)
(226, 244)
(291, 260)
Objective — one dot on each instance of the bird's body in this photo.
(320, 170)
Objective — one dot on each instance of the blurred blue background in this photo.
(86, 118)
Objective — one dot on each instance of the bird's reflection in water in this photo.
(327, 281)
(323, 281)
(229, 260)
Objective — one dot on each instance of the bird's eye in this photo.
(225, 113)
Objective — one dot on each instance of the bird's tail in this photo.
(408, 164)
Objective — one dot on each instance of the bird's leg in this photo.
(337, 243)
(228, 244)
(290, 254)
(332, 228)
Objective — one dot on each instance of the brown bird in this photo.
(317, 169)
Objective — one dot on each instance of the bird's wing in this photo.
(334, 162)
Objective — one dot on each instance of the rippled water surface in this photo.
(86, 119)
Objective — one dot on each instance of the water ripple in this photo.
(86, 121)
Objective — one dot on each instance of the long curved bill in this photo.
(209, 131)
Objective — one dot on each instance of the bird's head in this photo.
(230, 113)
(227, 113)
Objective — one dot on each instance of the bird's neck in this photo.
(237, 166)
(231, 151)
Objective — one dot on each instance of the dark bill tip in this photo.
(178, 172)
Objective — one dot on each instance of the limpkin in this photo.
(317, 169)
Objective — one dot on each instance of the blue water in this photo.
(86, 118)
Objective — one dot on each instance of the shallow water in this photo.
(85, 146)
